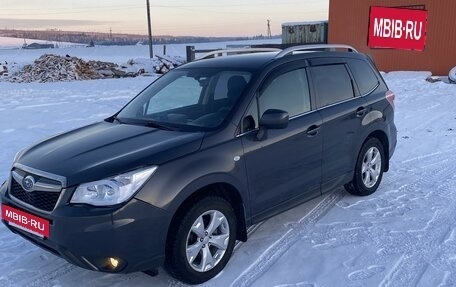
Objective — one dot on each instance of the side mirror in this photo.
(274, 119)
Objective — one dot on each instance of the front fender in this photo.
(175, 181)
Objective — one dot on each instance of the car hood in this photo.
(104, 149)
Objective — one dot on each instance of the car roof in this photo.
(244, 61)
(257, 61)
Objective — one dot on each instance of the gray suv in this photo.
(203, 153)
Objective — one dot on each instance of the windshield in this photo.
(199, 99)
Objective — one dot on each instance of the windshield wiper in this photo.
(158, 125)
(117, 120)
(113, 119)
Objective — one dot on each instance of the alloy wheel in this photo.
(207, 240)
(371, 167)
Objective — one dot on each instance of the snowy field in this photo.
(15, 43)
(115, 54)
(403, 235)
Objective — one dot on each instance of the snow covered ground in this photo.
(403, 235)
(15, 43)
(115, 54)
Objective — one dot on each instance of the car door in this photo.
(283, 168)
(342, 112)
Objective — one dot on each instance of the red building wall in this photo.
(349, 21)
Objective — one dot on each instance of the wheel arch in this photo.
(383, 138)
(224, 190)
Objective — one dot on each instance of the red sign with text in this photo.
(397, 28)
(26, 221)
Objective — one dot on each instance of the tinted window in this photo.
(184, 91)
(222, 90)
(193, 99)
(288, 92)
(364, 76)
(332, 84)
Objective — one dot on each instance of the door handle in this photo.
(360, 112)
(313, 130)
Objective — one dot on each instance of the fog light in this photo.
(114, 262)
(108, 264)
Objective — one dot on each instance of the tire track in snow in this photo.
(413, 263)
(250, 231)
(419, 248)
(277, 249)
(48, 278)
(425, 161)
(431, 156)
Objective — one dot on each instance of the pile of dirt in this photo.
(4, 69)
(166, 63)
(54, 68)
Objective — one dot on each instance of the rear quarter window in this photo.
(364, 76)
(332, 84)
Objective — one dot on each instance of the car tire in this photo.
(204, 232)
(369, 169)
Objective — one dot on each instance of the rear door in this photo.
(342, 111)
(372, 88)
(284, 167)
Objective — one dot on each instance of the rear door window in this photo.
(364, 76)
(332, 84)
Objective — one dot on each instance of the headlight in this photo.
(113, 190)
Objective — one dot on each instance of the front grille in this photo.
(40, 199)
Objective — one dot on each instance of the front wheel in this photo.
(202, 241)
(369, 169)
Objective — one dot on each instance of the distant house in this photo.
(315, 32)
(38, 46)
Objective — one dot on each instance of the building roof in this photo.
(304, 23)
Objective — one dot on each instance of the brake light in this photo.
(390, 97)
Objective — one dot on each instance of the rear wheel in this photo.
(369, 169)
(202, 241)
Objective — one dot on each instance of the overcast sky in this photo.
(169, 17)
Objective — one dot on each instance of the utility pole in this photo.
(151, 49)
(269, 29)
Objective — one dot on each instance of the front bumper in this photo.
(87, 236)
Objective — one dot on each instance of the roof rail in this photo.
(237, 51)
(318, 47)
